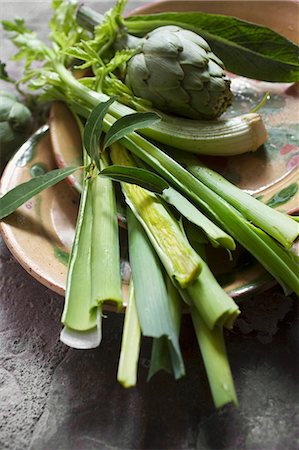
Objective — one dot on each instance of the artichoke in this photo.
(15, 124)
(177, 71)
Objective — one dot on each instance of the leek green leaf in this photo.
(152, 300)
(212, 347)
(190, 212)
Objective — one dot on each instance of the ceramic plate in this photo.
(40, 233)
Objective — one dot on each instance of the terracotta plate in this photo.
(40, 233)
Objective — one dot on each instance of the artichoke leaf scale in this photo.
(193, 55)
(162, 42)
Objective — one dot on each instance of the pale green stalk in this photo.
(179, 259)
(275, 223)
(157, 315)
(105, 251)
(214, 305)
(77, 314)
(212, 347)
(130, 345)
(162, 352)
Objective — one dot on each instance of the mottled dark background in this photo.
(52, 397)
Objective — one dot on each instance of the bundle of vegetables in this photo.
(165, 190)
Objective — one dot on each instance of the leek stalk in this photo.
(275, 223)
(157, 314)
(179, 259)
(130, 345)
(212, 347)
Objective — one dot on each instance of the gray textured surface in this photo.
(55, 398)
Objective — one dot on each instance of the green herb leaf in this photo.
(134, 175)
(25, 191)
(283, 196)
(128, 124)
(93, 130)
(245, 48)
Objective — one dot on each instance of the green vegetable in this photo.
(158, 310)
(275, 223)
(177, 256)
(130, 344)
(247, 49)
(177, 72)
(212, 347)
(15, 125)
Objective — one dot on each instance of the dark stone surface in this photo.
(55, 398)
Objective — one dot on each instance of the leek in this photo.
(214, 355)
(178, 257)
(275, 223)
(157, 315)
(130, 345)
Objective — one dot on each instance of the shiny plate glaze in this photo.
(41, 232)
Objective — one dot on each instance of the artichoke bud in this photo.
(177, 71)
(15, 124)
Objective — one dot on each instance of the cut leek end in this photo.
(80, 320)
(86, 339)
(130, 346)
(188, 274)
(257, 129)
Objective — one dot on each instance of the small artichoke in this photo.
(177, 71)
(15, 124)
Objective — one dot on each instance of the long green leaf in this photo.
(93, 130)
(105, 253)
(212, 347)
(151, 295)
(190, 212)
(134, 175)
(245, 48)
(25, 191)
(76, 313)
(162, 351)
(129, 123)
(130, 344)
(278, 225)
